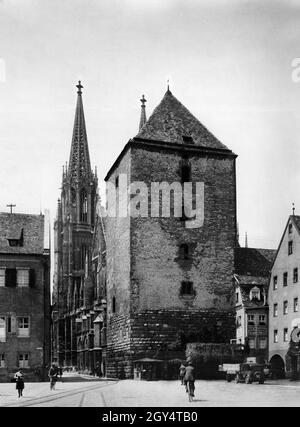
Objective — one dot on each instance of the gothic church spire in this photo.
(79, 163)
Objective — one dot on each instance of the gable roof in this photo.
(253, 262)
(296, 221)
(171, 121)
(11, 226)
(252, 268)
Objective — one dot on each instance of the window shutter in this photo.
(11, 277)
(32, 278)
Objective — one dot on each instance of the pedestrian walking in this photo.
(19, 382)
(53, 372)
(182, 371)
(189, 380)
(98, 370)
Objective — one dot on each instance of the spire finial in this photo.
(168, 85)
(293, 208)
(143, 112)
(79, 87)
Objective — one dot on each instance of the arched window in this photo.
(83, 206)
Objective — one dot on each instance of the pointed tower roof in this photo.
(173, 122)
(143, 118)
(79, 163)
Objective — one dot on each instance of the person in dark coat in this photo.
(19, 382)
(98, 370)
(182, 371)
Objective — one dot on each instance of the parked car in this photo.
(250, 372)
(245, 372)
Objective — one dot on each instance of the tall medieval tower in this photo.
(74, 227)
(165, 279)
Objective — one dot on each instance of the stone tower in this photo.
(167, 279)
(74, 228)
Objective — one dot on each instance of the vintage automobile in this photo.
(250, 372)
(245, 372)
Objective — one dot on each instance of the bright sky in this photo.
(229, 63)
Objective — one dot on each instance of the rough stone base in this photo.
(160, 333)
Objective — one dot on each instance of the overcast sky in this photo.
(229, 63)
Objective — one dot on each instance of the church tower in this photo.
(74, 227)
(168, 278)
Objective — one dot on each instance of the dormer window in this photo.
(16, 241)
(187, 139)
(255, 294)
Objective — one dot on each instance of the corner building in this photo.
(24, 295)
(165, 280)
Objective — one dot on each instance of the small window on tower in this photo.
(114, 304)
(184, 250)
(187, 288)
(186, 173)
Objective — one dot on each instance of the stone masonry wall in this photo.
(147, 333)
(145, 267)
(157, 267)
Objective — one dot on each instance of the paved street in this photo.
(77, 391)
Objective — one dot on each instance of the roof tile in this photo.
(172, 122)
(33, 233)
